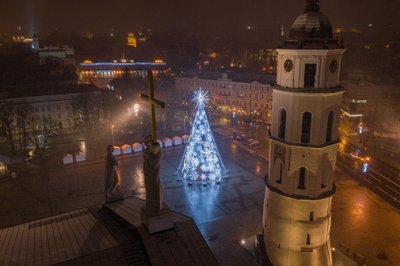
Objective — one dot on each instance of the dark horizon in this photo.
(122, 16)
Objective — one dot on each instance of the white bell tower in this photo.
(304, 139)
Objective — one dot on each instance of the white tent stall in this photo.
(80, 157)
(177, 140)
(126, 149)
(167, 142)
(137, 147)
(185, 139)
(68, 158)
(117, 151)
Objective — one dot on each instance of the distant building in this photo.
(64, 52)
(103, 72)
(236, 94)
(88, 35)
(5, 163)
(56, 111)
(142, 36)
(376, 106)
(263, 60)
(132, 39)
(22, 39)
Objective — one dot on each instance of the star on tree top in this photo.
(200, 97)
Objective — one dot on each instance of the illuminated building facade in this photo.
(303, 143)
(91, 71)
(376, 106)
(65, 53)
(236, 94)
(131, 39)
(55, 110)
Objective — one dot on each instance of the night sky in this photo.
(124, 15)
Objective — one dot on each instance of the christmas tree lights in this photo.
(201, 160)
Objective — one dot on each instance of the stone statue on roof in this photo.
(111, 175)
(151, 171)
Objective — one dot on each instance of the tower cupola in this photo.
(312, 24)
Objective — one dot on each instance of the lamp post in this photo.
(256, 116)
(112, 134)
(360, 130)
(184, 124)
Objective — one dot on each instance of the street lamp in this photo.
(184, 123)
(112, 134)
(360, 130)
(136, 108)
(256, 116)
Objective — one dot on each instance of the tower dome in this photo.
(312, 24)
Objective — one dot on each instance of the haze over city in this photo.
(202, 133)
(46, 16)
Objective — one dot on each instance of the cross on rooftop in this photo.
(153, 102)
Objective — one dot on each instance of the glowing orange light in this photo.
(213, 55)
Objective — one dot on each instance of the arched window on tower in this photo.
(282, 124)
(329, 127)
(310, 72)
(302, 178)
(306, 128)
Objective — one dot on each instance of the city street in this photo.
(226, 214)
(381, 177)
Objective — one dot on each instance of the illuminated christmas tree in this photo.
(201, 160)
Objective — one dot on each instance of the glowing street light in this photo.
(365, 167)
(256, 114)
(112, 134)
(360, 128)
(136, 108)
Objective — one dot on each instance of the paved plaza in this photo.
(226, 214)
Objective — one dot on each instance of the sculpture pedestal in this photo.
(158, 223)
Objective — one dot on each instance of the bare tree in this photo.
(40, 133)
(7, 117)
(22, 112)
(86, 111)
